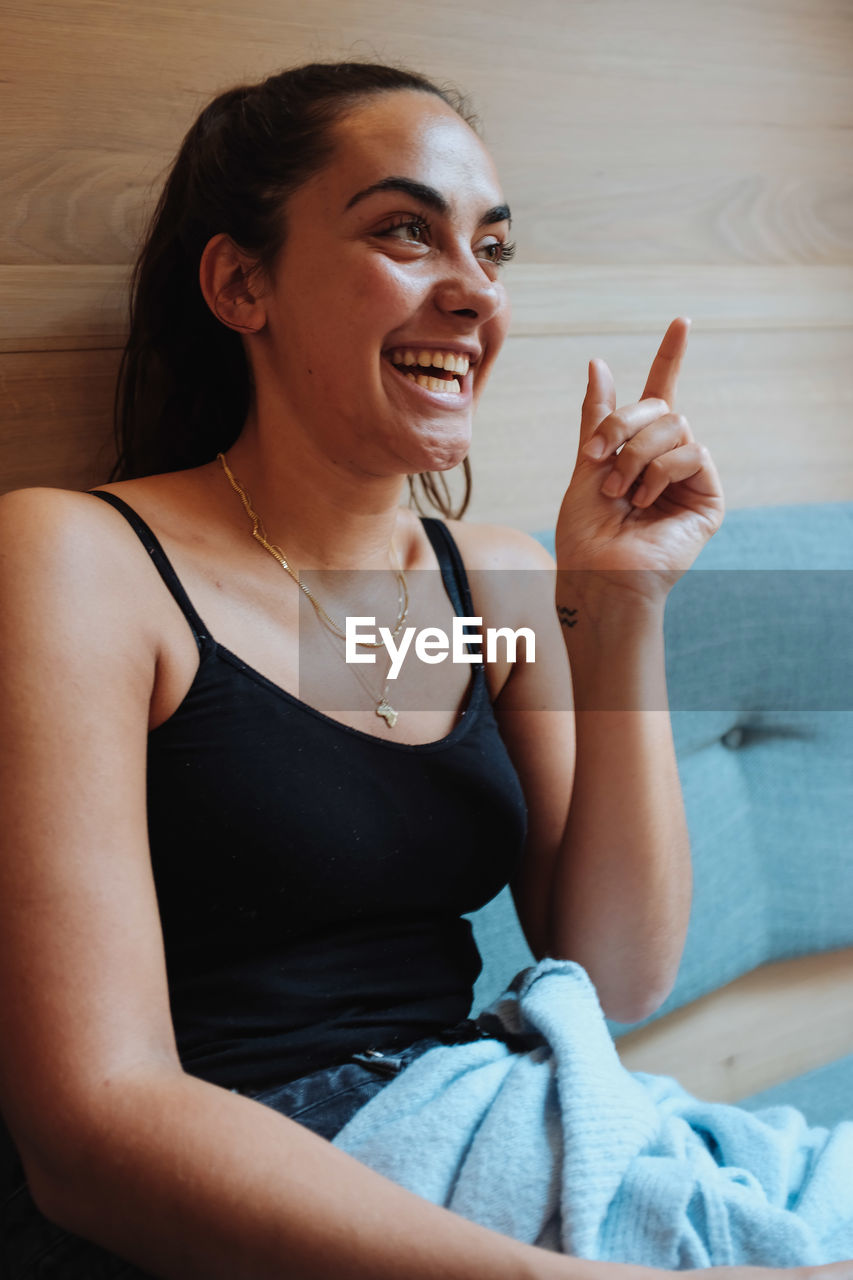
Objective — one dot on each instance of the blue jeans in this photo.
(33, 1248)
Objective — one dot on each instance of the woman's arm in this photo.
(606, 879)
(627, 819)
(119, 1145)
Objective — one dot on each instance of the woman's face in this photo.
(386, 310)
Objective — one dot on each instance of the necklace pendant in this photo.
(387, 712)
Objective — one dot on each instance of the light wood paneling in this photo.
(769, 404)
(770, 1025)
(784, 199)
(609, 299)
(62, 308)
(57, 418)
(667, 132)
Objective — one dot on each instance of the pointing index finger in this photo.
(666, 365)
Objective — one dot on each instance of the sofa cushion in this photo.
(825, 1096)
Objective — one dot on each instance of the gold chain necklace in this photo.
(383, 706)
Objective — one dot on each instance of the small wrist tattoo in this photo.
(568, 617)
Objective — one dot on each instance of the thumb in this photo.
(599, 401)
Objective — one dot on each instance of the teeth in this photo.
(435, 384)
(448, 360)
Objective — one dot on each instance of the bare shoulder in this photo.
(35, 503)
(64, 560)
(497, 546)
(60, 520)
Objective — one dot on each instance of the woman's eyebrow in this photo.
(428, 196)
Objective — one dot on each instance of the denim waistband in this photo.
(324, 1100)
(391, 1061)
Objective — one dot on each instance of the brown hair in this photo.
(184, 383)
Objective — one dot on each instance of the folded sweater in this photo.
(549, 1139)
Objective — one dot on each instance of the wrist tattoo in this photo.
(568, 617)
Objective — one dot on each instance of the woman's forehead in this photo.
(410, 134)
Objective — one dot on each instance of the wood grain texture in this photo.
(78, 204)
(773, 406)
(768, 1026)
(676, 132)
(57, 416)
(62, 308)
(617, 299)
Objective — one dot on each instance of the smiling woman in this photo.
(232, 914)
(407, 261)
(185, 379)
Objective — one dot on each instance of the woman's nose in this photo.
(466, 289)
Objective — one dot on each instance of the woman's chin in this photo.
(442, 453)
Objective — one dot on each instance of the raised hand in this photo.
(644, 494)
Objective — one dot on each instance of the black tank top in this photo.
(311, 878)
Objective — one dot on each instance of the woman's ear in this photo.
(225, 275)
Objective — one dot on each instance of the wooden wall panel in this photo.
(768, 403)
(580, 299)
(773, 1024)
(773, 199)
(61, 308)
(57, 415)
(670, 158)
(661, 132)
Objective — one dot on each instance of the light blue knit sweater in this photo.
(560, 1146)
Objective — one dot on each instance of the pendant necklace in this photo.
(382, 707)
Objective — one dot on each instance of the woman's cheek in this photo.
(395, 284)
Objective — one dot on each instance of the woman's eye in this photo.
(413, 229)
(416, 230)
(498, 252)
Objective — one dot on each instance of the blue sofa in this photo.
(760, 678)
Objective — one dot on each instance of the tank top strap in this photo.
(450, 563)
(160, 561)
(443, 543)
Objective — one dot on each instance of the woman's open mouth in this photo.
(435, 370)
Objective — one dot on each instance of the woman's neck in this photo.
(321, 513)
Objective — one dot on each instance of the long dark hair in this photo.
(184, 385)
